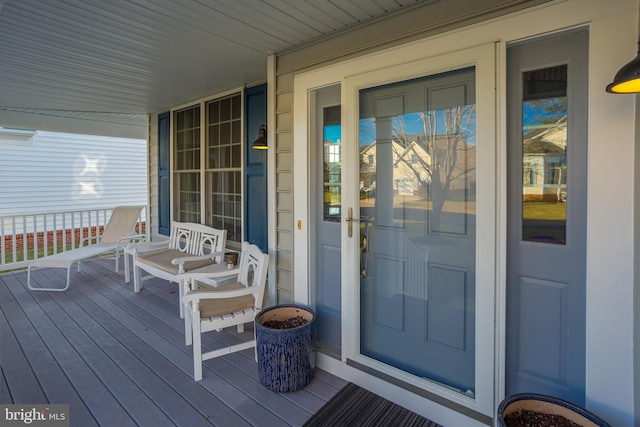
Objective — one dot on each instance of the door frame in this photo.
(352, 77)
(482, 58)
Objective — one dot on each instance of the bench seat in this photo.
(162, 260)
(190, 247)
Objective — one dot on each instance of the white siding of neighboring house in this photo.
(52, 171)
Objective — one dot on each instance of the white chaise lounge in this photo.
(117, 234)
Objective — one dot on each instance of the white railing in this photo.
(26, 237)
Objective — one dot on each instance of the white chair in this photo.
(116, 235)
(215, 308)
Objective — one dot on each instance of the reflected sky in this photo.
(412, 124)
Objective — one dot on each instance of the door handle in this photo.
(350, 221)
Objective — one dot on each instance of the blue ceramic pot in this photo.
(549, 405)
(285, 356)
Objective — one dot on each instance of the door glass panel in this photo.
(417, 207)
(544, 155)
(331, 164)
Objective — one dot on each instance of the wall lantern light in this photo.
(261, 142)
(627, 79)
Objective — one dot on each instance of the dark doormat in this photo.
(355, 406)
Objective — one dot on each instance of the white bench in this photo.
(190, 247)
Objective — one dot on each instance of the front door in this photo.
(418, 226)
(546, 243)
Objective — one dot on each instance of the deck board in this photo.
(100, 402)
(119, 357)
(24, 384)
(179, 379)
(50, 377)
(171, 330)
(5, 395)
(153, 387)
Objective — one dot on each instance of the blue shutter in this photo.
(255, 168)
(164, 188)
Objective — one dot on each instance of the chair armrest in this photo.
(97, 238)
(124, 242)
(205, 273)
(86, 239)
(147, 246)
(137, 237)
(199, 295)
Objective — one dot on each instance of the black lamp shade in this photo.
(627, 79)
(261, 142)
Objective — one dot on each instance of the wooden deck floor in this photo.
(119, 359)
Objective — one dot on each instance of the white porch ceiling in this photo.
(114, 61)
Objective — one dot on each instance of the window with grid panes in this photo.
(223, 170)
(187, 165)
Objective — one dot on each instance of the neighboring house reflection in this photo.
(412, 169)
(544, 163)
